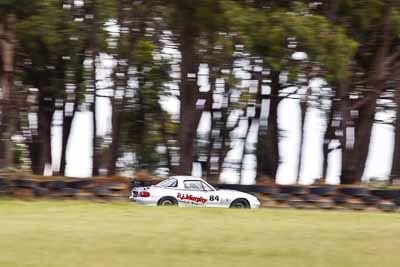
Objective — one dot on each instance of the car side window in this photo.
(193, 185)
(169, 183)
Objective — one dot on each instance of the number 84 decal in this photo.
(214, 198)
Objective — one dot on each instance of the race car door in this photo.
(193, 194)
(198, 193)
(213, 197)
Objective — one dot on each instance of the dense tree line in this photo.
(229, 61)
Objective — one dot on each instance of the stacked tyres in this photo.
(101, 192)
(5, 187)
(323, 196)
(386, 199)
(23, 188)
(112, 190)
(69, 192)
(80, 184)
(267, 190)
(55, 188)
(294, 190)
(266, 193)
(356, 192)
(323, 191)
(371, 200)
(23, 183)
(280, 197)
(388, 194)
(40, 192)
(340, 200)
(56, 185)
(354, 197)
(296, 195)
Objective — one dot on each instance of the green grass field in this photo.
(72, 233)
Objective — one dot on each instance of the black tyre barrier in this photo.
(267, 189)
(101, 192)
(293, 190)
(80, 184)
(6, 187)
(356, 205)
(113, 185)
(22, 183)
(396, 201)
(354, 191)
(299, 204)
(370, 200)
(295, 196)
(40, 192)
(280, 197)
(69, 192)
(53, 185)
(84, 196)
(388, 207)
(311, 198)
(325, 204)
(323, 190)
(4, 184)
(340, 199)
(385, 194)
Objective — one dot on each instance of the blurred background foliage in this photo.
(217, 59)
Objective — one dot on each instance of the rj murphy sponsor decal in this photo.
(191, 198)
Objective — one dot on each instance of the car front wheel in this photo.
(240, 203)
(167, 201)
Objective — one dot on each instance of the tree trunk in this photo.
(40, 147)
(165, 140)
(395, 170)
(303, 108)
(188, 96)
(211, 137)
(9, 119)
(96, 153)
(96, 150)
(67, 125)
(328, 137)
(267, 147)
(116, 131)
(354, 164)
(241, 169)
(224, 128)
(354, 160)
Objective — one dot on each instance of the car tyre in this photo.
(167, 201)
(240, 203)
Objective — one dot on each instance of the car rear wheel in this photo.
(240, 203)
(167, 201)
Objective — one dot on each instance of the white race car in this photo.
(191, 191)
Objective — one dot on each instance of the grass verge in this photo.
(75, 233)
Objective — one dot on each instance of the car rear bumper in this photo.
(142, 201)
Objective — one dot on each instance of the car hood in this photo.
(235, 193)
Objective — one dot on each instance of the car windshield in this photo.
(168, 183)
(208, 187)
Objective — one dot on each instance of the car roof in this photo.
(186, 177)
